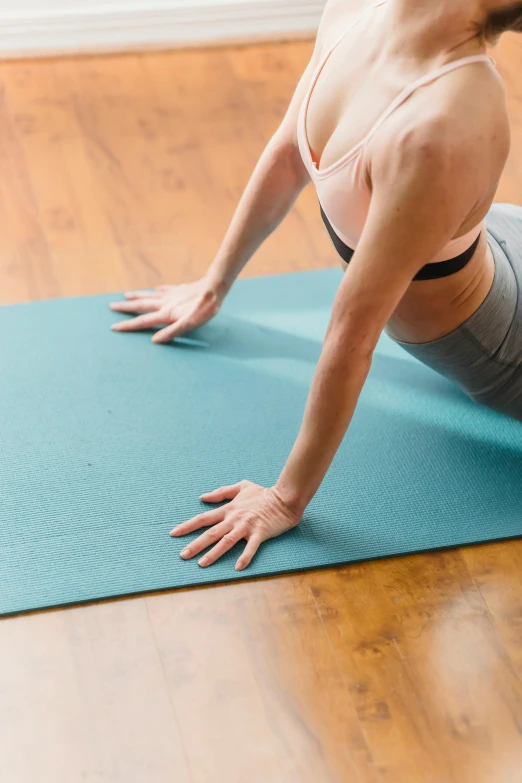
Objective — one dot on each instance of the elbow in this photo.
(356, 344)
(350, 351)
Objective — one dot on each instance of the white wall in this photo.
(35, 27)
(47, 5)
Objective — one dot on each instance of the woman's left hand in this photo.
(255, 513)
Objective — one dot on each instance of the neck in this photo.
(429, 27)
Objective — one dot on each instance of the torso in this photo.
(355, 85)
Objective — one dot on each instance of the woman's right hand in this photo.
(181, 307)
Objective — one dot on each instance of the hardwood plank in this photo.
(83, 697)
(42, 101)
(496, 570)
(426, 666)
(162, 188)
(255, 663)
(26, 265)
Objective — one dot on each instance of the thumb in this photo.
(176, 329)
(222, 493)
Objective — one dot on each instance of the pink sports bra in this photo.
(341, 187)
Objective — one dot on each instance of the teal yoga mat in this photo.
(107, 441)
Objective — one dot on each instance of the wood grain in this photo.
(124, 171)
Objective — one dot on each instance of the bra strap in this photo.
(352, 24)
(427, 79)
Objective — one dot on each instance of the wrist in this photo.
(218, 285)
(295, 502)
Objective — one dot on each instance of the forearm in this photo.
(335, 389)
(269, 195)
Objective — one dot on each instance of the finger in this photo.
(181, 326)
(140, 322)
(227, 542)
(206, 539)
(253, 544)
(222, 493)
(136, 306)
(142, 294)
(200, 520)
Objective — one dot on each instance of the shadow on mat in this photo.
(440, 400)
(428, 397)
(238, 339)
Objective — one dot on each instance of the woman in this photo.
(400, 122)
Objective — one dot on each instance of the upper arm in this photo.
(424, 185)
(287, 130)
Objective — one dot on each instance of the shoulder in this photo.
(335, 16)
(455, 127)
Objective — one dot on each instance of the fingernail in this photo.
(239, 566)
(173, 531)
(203, 561)
(115, 327)
(185, 552)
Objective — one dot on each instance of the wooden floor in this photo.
(124, 171)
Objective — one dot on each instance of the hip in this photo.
(483, 355)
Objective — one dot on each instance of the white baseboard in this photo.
(167, 24)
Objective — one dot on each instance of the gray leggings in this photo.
(484, 354)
